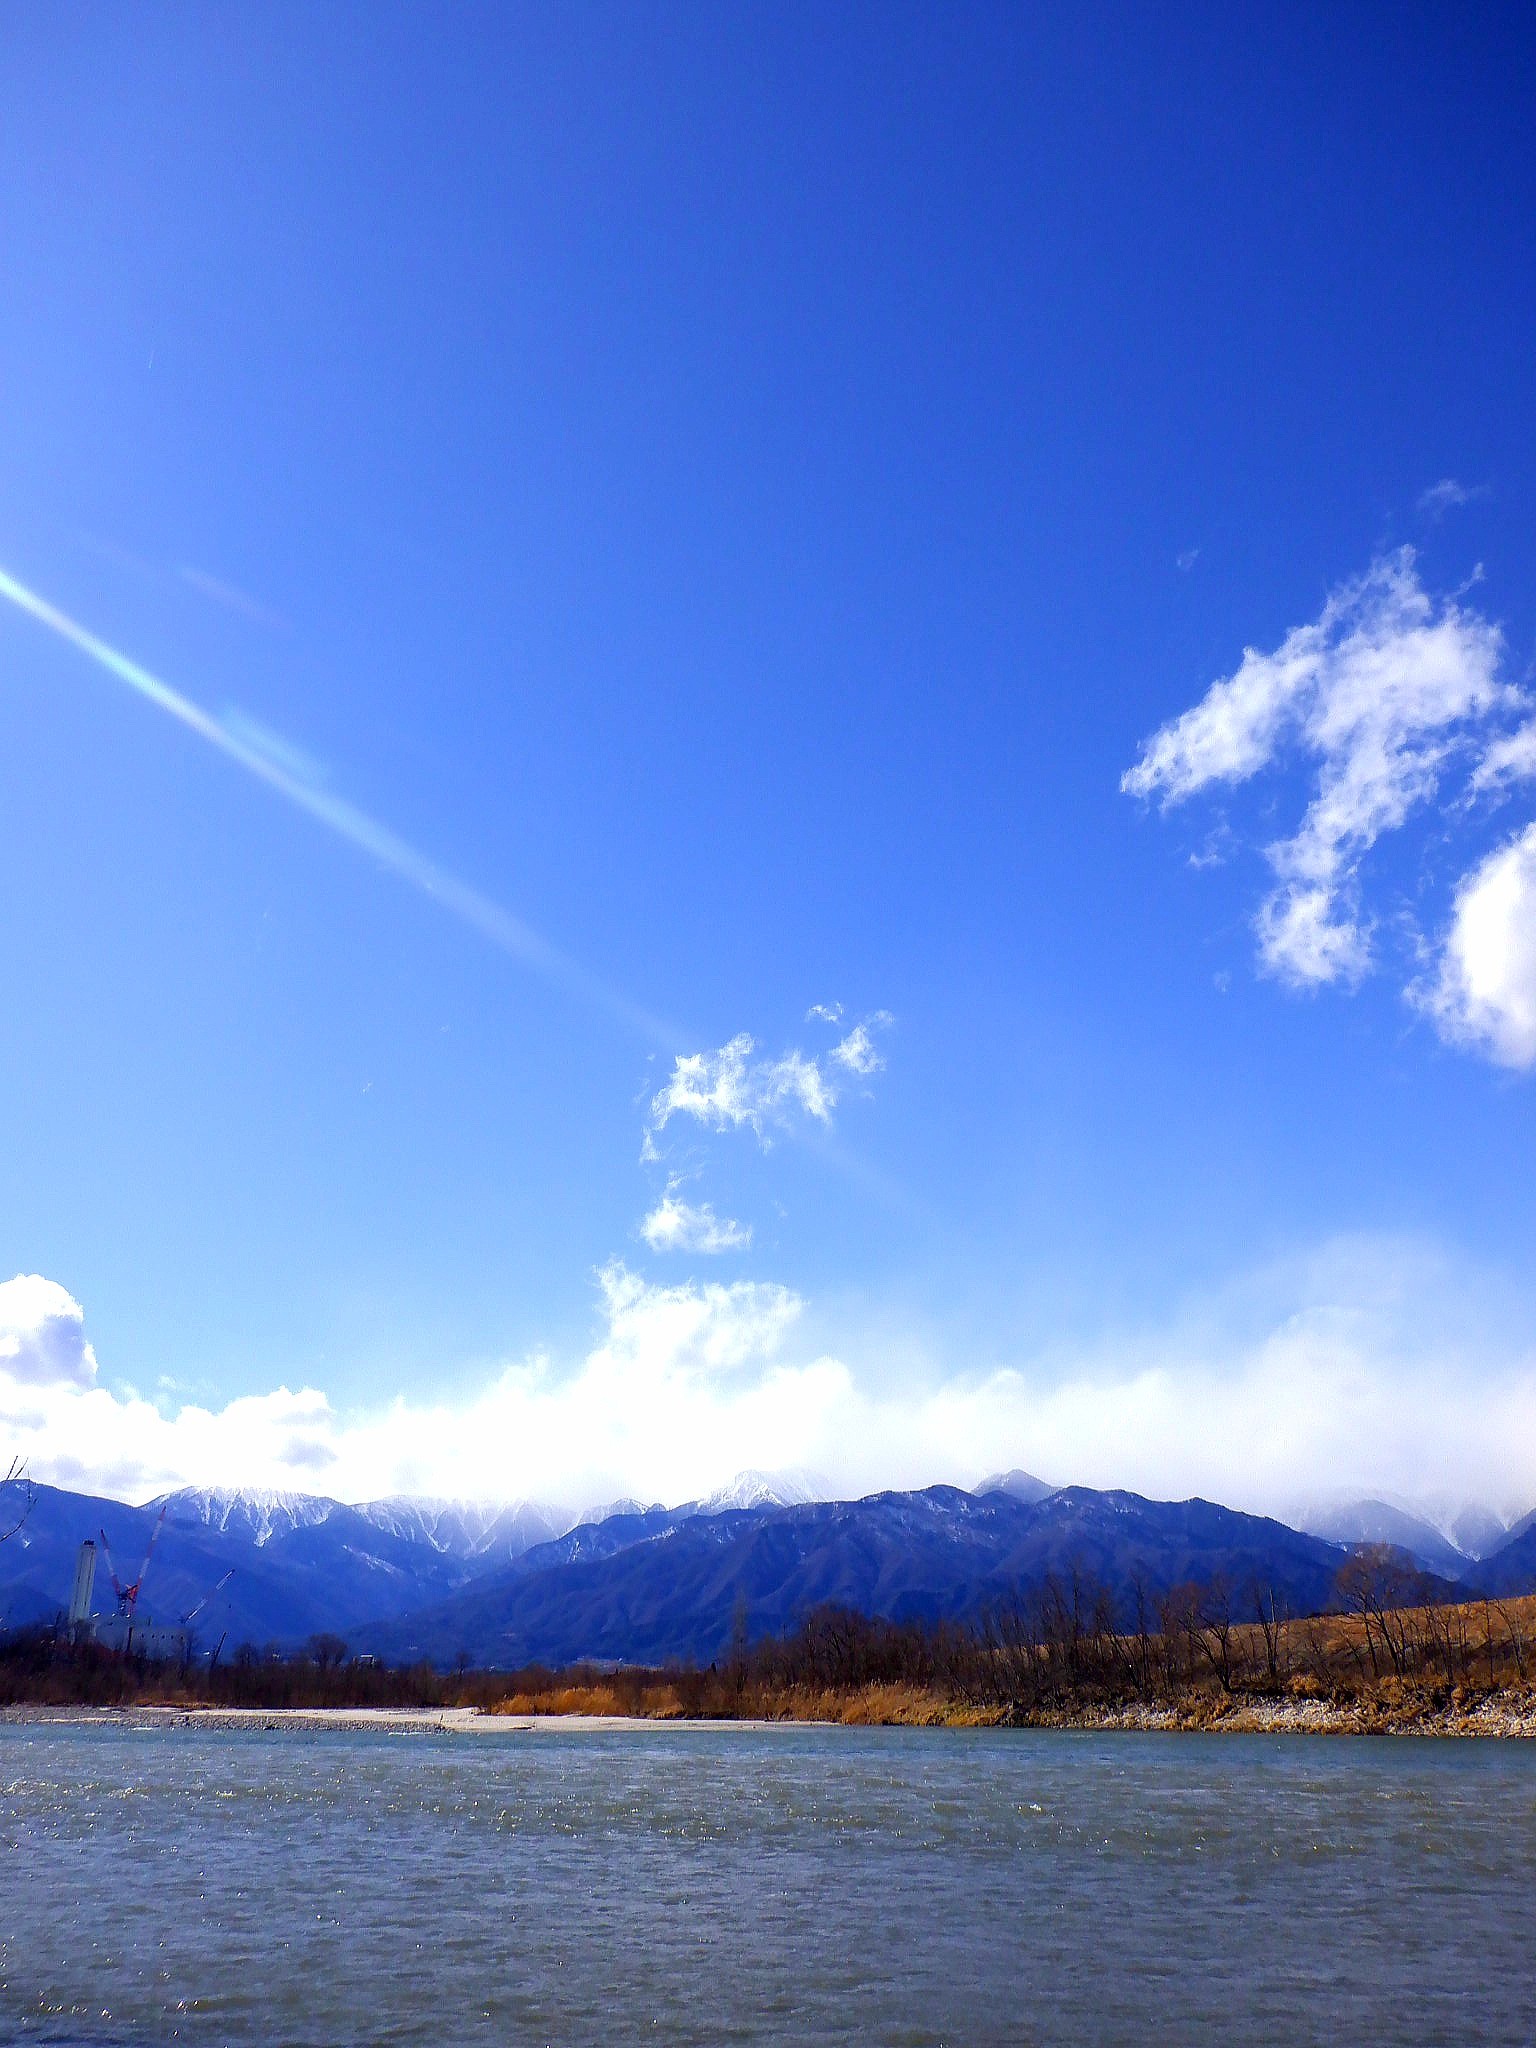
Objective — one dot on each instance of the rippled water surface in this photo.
(789, 1885)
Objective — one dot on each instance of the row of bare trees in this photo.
(1067, 1642)
(1402, 1633)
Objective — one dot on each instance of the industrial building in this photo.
(125, 1630)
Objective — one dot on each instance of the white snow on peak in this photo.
(1474, 1528)
(255, 1513)
(466, 1528)
(753, 1489)
(607, 1509)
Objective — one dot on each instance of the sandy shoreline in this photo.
(1490, 1719)
(391, 1720)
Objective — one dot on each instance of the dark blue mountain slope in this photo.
(940, 1552)
(319, 1566)
(1510, 1570)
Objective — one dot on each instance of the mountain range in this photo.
(409, 1578)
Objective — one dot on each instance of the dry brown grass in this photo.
(1450, 1669)
(889, 1705)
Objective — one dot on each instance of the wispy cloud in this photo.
(1446, 495)
(1509, 759)
(858, 1052)
(678, 1226)
(284, 768)
(1381, 692)
(732, 1086)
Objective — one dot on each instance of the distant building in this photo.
(135, 1635)
(127, 1632)
(85, 1586)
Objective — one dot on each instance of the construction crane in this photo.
(128, 1596)
(188, 1619)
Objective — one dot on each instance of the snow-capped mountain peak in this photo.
(254, 1514)
(754, 1489)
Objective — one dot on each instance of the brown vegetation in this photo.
(1199, 1657)
(40, 1667)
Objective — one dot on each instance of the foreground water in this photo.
(783, 1885)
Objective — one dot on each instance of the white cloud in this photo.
(1446, 495)
(731, 1087)
(682, 1383)
(1365, 1367)
(1380, 691)
(858, 1051)
(1510, 758)
(1485, 993)
(1304, 940)
(826, 1013)
(42, 1335)
(678, 1226)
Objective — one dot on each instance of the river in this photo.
(785, 1885)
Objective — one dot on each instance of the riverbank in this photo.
(1498, 1716)
(1058, 1661)
(1386, 1709)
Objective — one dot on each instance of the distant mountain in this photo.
(483, 1532)
(467, 1530)
(626, 1506)
(1377, 1521)
(409, 1577)
(1478, 1531)
(302, 1563)
(619, 1530)
(1447, 1534)
(659, 1586)
(1508, 1567)
(37, 1569)
(1020, 1484)
(248, 1514)
(754, 1489)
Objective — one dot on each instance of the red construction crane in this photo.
(128, 1596)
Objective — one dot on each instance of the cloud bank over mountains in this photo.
(1362, 1369)
(1384, 695)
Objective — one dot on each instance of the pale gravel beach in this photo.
(1495, 1720)
(386, 1720)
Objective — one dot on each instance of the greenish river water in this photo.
(754, 1886)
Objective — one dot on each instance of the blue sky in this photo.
(737, 492)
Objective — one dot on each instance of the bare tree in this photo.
(20, 1497)
(1378, 1585)
(1214, 1624)
(1515, 1636)
(1270, 1615)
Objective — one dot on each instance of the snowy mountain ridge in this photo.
(253, 1513)
(755, 1489)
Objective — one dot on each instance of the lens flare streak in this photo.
(239, 740)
